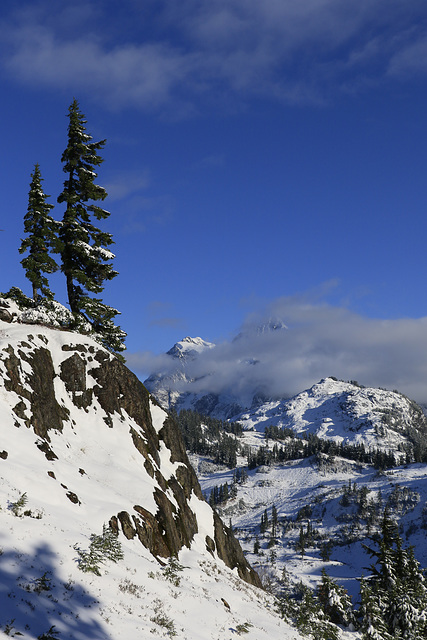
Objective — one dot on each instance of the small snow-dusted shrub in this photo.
(243, 628)
(44, 583)
(9, 628)
(102, 547)
(52, 634)
(162, 619)
(126, 586)
(171, 571)
(17, 507)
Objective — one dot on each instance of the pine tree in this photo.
(41, 230)
(372, 625)
(335, 601)
(85, 257)
(395, 602)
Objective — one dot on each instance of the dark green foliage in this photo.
(219, 494)
(335, 601)
(264, 522)
(85, 258)
(210, 437)
(52, 634)
(303, 608)
(102, 547)
(41, 238)
(394, 599)
(171, 571)
(295, 448)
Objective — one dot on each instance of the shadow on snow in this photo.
(36, 602)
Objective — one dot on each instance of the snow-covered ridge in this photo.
(346, 413)
(96, 462)
(189, 347)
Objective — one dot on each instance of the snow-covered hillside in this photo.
(344, 412)
(76, 455)
(340, 500)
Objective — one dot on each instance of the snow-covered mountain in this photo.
(343, 411)
(347, 413)
(97, 498)
(165, 385)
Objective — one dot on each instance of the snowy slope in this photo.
(95, 473)
(344, 412)
(314, 490)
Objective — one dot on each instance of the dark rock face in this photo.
(118, 392)
(73, 374)
(5, 315)
(46, 412)
(230, 551)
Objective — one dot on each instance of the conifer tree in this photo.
(394, 603)
(85, 257)
(41, 228)
(335, 601)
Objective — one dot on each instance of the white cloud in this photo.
(286, 49)
(411, 59)
(320, 340)
(127, 184)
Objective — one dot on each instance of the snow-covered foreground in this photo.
(51, 506)
(41, 588)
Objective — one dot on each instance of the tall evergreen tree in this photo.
(394, 603)
(86, 259)
(40, 227)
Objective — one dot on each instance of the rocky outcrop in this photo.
(52, 390)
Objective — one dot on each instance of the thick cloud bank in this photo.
(318, 341)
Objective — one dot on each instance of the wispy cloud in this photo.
(320, 340)
(287, 50)
(128, 183)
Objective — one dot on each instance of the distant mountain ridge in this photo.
(331, 409)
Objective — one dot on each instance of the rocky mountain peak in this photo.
(189, 348)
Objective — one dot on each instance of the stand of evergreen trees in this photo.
(295, 447)
(83, 248)
(207, 436)
(393, 597)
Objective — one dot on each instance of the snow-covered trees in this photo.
(85, 257)
(83, 247)
(394, 597)
(334, 601)
(41, 237)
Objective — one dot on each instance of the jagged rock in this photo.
(93, 380)
(230, 551)
(5, 315)
(73, 373)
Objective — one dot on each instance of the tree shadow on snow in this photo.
(35, 601)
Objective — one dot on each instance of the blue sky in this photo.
(256, 153)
